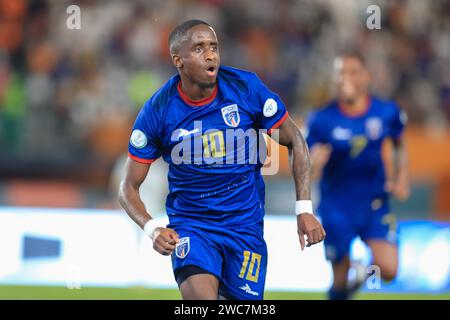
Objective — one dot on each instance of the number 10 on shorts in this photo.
(255, 259)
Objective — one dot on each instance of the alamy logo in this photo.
(373, 281)
(73, 280)
(74, 19)
(249, 290)
(373, 22)
(223, 147)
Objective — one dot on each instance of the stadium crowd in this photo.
(59, 88)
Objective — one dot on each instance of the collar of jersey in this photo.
(196, 103)
(359, 114)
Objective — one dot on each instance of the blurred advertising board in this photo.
(83, 247)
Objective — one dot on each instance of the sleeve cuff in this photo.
(140, 160)
(279, 122)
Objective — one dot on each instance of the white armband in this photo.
(303, 206)
(150, 226)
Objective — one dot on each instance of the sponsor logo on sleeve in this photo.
(138, 139)
(270, 108)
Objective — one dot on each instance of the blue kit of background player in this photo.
(345, 140)
(353, 200)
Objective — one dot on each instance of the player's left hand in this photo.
(308, 225)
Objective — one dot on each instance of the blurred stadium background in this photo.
(68, 99)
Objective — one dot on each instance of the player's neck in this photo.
(194, 92)
(355, 108)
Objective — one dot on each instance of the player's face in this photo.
(351, 77)
(199, 57)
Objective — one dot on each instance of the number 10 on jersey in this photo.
(213, 145)
(255, 260)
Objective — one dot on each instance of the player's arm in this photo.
(319, 151)
(164, 239)
(319, 155)
(291, 137)
(399, 185)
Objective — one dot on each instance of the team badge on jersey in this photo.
(231, 116)
(373, 127)
(182, 248)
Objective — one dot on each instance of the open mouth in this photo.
(211, 71)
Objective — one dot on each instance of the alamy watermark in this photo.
(373, 21)
(73, 21)
(218, 148)
(373, 281)
(73, 278)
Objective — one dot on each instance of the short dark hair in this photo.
(353, 54)
(179, 33)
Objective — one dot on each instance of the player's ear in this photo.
(177, 61)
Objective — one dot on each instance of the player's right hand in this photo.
(320, 154)
(308, 225)
(165, 240)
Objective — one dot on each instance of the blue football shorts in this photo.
(236, 256)
(370, 220)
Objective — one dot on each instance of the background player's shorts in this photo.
(237, 257)
(370, 221)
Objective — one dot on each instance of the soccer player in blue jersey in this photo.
(345, 138)
(201, 123)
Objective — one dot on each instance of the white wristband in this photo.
(150, 226)
(303, 206)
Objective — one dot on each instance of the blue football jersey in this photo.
(355, 170)
(211, 147)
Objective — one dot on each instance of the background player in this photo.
(215, 210)
(345, 139)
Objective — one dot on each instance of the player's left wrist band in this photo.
(150, 226)
(303, 206)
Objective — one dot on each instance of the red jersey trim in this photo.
(196, 103)
(279, 122)
(358, 114)
(140, 160)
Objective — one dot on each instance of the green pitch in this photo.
(138, 293)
